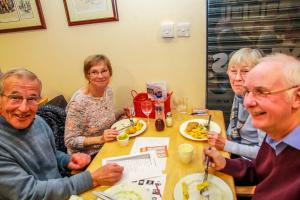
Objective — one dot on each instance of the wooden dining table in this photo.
(175, 169)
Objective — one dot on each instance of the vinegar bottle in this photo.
(159, 117)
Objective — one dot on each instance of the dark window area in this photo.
(272, 26)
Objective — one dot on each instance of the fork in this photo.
(204, 192)
(132, 115)
(207, 126)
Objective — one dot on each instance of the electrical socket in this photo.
(183, 29)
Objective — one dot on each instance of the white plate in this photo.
(218, 189)
(129, 191)
(213, 127)
(125, 123)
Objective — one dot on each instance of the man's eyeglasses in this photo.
(17, 99)
(260, 92)
(235, 72)
(96, 73)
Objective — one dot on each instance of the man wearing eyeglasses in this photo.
(29, 162)
(273, 101)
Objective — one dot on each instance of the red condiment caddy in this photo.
(142, 96)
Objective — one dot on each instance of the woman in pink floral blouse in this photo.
(90, 112)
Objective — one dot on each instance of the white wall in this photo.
(137, 52)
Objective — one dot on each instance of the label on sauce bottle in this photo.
(159, 124)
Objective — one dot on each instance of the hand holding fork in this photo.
(129, 112)
(204, 190)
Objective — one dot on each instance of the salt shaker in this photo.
(169, 120)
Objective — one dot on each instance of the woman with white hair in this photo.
(243, 138)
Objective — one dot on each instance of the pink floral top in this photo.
(87, 116)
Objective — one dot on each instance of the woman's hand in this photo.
(109, 135)
(217, 161)
(216, 140)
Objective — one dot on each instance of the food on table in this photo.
(191, 126)
(185, 191)
(214, 191)
(189, 185)
(202, 186)
(123, 136)
(136, 127)
(203, 198)
(128, 195)
(128, 191)
(196, 130)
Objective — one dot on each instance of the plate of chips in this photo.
(195, 129)
(188, 188)
(124, 125)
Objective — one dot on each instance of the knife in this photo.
(125, 127)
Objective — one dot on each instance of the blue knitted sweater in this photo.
(29, 165)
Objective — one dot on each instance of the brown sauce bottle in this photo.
(159, 124)
(159, 120)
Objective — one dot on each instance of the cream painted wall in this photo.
(137, 52)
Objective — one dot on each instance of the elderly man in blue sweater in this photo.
(29, 162)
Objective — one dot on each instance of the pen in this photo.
(158, 190)
(199, 113)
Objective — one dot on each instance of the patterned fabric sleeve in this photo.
(74, 126)
(88, 116)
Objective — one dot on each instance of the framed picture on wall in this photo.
(21, 15)
(90, 11)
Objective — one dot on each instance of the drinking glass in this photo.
(146, 107)
(182, 106)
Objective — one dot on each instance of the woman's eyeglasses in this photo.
(234, 72)
(96, 73)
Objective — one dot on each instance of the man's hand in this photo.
(107, 175)
(217, 162)
(216, 140)
(110, 135)
(79, 161)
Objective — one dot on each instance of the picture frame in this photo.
(21, 15)
(90, 11)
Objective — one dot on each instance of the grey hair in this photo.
(20, 73)
(247, 56)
